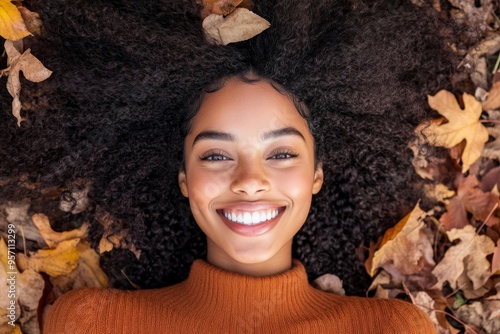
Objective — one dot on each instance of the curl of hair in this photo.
(126, 72)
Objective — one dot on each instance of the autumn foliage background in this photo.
(444, 255)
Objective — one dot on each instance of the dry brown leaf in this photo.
(487, 46)
(114, 239)
(491, 179)
(476, 14)
(455, 215)
(426, 167)
(426, 304)
(404, 247)
(470, 198)
(470, 253)
(462, 125)
(493, 99)
(438, 192)
(30, 285)
(238, 26)
(33, 70)
(220, 7)
(482, 314)
(492, 149)
(11, 23)
(495, 262)
(53, 238)
(467, 287)
(330, 283)
(32, 20)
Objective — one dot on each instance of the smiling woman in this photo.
(249, 175)
(287, 150)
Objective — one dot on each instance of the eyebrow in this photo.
(290, 131)
(218, 135)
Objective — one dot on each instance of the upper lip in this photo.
(252, 206)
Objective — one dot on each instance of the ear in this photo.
(318, 179)
(183, 183)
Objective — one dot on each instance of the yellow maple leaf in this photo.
(11, 22)
(462, 124)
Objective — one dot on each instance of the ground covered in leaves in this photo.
(444, 255)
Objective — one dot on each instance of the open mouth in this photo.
(250, 218)
(251, 222)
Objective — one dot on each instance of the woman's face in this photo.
(249, 176)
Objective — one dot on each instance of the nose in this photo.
(250, 178)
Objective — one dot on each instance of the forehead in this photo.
(247, 108)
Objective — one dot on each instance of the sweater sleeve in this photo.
(74, 312)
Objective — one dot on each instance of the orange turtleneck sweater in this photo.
(212, 300)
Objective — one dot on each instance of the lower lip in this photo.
(252, 230)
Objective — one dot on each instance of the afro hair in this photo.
(126, 72)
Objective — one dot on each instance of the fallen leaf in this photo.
(11, 23)
(88, 273)
(469, 198)
(482, 314)
(330, 283)
(32, 20)
(59, 261)
(469, 253)
(491, 179)
(53, 238)
(221, 7)
(30, 288)
(438, 192)
(113, 238)
(486, 46)
(493, 99)
(495, 262)
(492, 149)
(404, 247)
(462, 124)
(238, 26)
(33, 70)
(467, 287)
(455, 215)
(426, 304)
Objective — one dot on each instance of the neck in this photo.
(277, 264)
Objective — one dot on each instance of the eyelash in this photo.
(216, 156)
(285, 154)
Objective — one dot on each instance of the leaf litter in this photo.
(447, 259)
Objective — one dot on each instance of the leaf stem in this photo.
(489, 216)
(498, 58)
(489, 121)
(467, 327)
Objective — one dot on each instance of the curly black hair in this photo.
(127, 71)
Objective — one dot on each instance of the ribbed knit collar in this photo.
(214, 287)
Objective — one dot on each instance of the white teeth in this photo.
(251, 218)
(247, 218)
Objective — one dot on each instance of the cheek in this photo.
(296, 183)
(204, 185)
